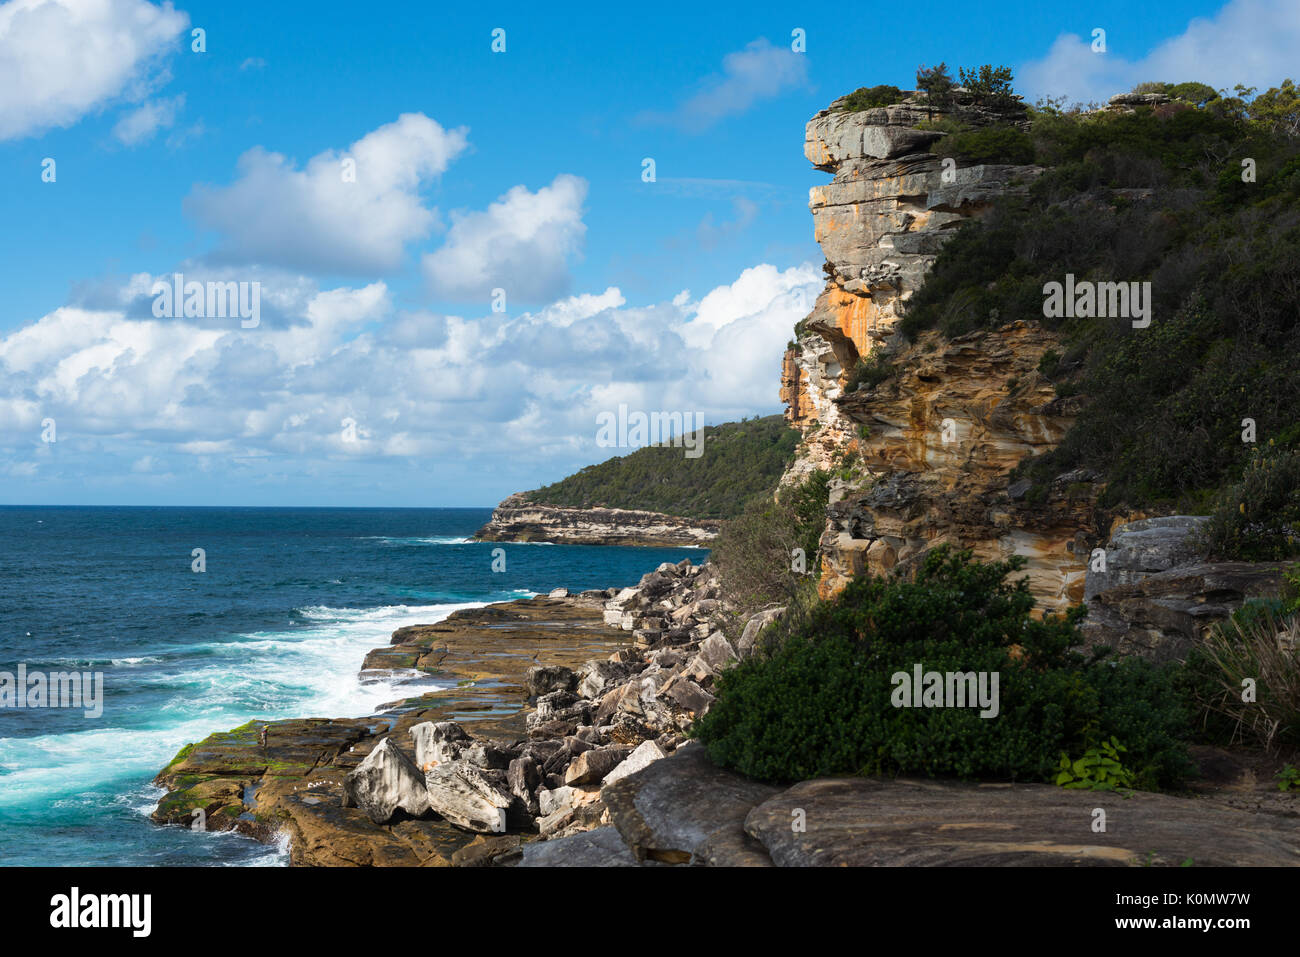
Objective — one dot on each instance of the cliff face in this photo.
(518, 520)
(925, 456)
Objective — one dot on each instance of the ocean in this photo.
(275, 626)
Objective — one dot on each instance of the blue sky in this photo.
(477, 171)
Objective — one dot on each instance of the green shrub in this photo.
(1101, 768)
(992, 144)
(1258, 519)
(817, 700)
(871, 370)
(866, 98)
(754, 552)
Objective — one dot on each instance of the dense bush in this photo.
(993, 144)
(754, 552)
(871, 370)
(740, 460)
(817, 699)
(1258, 518)
(1162, 405)
(866, 98)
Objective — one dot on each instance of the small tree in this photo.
(937, 84)
(989, 85)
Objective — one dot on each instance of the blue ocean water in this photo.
(275, 627)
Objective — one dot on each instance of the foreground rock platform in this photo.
(294, 783)
(862, 822)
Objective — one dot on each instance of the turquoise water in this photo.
(276, 627)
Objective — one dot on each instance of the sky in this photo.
(462, 256)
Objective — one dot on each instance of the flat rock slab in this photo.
(601, 847)
(865, 822)
(682, 804)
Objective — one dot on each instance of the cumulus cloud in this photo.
(322, 218)
(758, 72)
(61, 59)
(144, 121)
(522, 243)
(173, 397)
(1248, 41)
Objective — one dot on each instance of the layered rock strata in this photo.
(925, 456)
(517, 519)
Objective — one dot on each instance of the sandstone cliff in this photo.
(925, 456)
(517, 519)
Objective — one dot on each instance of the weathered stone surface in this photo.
(461, 795)
(717, 652)
(753, 627)
(866, 822)
(590, 767)
(385, 782)
(881, 221)
(438, 743)
(544, 679)
(601, 847)
(1164, 615)
(669, 809)
(1140, 549)
(689, 696)
(645, 754)
(517, 519)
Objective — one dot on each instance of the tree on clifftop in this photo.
(937, 84)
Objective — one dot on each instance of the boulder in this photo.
(1164, 615)
(717, 652)
(590, 767)
(463, 796)
(755, 625)
(600, 847)
(545, 679)
(1140, 549)
(385, 782)
(689, 696)
(524, 777)
(645, 754)
(558, 593)
(438, 742)
(672, 807)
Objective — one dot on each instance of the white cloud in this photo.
(61, 59)
(147, 119)
(521, 243)
(171, 398)
(758, 72)
(315, 219)
(1253, 42)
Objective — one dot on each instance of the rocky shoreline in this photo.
(517, 519)
(558, 702)
(565, 743)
